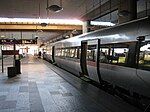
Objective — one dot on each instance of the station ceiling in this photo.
(72, 9)
(43, 36)
(37, 8)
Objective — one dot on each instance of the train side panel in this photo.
(71, 65)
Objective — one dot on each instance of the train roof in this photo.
(128, 31)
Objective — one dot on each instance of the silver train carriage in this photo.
(119, 56)
(48, 55)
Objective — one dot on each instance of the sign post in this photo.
(9, 52)
(13, 42)
(14, 51)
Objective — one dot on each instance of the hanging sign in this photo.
(10, 52)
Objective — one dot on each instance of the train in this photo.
(116, 57)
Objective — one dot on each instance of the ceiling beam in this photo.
(39, 27)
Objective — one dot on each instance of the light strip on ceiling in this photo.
(48, 21)
(100, 23)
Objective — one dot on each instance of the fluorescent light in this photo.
(2, 36)
(98, 23)
(49, 21)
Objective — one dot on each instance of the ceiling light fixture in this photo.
(44, 24)
(2, 36)
(55, 8)
(101, 23)
(39, 30)
(48, 21)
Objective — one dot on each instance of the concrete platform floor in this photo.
(43, 87)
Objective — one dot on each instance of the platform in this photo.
(43, 87)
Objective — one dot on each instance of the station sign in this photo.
(10, 52)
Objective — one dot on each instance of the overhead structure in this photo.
(32, 27)
(38, 24)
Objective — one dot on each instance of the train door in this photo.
(92, 59)
(143, 68)
(89, 59)
(83, 58)
(53, 54)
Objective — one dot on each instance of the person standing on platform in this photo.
(39, 56)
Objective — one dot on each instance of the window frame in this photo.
(141, 66)
(111, 49)
(92, 52)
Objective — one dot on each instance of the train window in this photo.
(76, 53)
(49, 50)
(68, 52)
(91, 53)
(58, 52)
(119, 56)
(79, 55)
(114, 54)
(62, 52)
(65, 52)
(104, 53)
(144, 56)
(72, 53)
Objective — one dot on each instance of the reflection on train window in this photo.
(62, 52)
(144, 56)
(91, 53)
(72, 51)
(49, 50)
(65, 52)
(58, 52)
(79, 53)
(104, 53)
(68, 52)
(120, 55)
(114, 54)
(76, 53)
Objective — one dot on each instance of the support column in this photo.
(86, 27)
(127, 10)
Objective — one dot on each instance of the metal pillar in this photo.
(86, 27)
